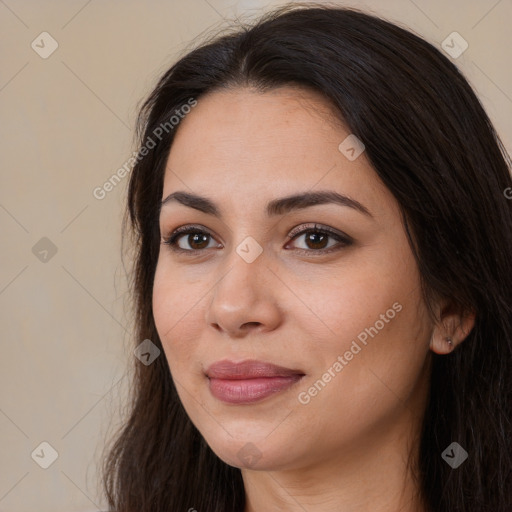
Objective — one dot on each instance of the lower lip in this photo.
(248, 391)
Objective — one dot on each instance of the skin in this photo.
(347, 448)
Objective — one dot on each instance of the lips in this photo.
(249, 369)
(249, 381)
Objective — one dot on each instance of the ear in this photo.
(451, 329)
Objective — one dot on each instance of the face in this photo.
(329, 291)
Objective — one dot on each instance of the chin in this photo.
(259, 456)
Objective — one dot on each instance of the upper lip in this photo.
(248, 369)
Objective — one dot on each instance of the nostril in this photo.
(249, 326)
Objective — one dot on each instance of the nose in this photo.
(244, 300)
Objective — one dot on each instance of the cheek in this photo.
(376, 350)
(163, 301)
(175, 311)
(375, 319)
(356, 388)
(341, 304)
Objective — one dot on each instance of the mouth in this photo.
(249, 381)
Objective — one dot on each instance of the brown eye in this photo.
(197, 240)
(187, 239)
(316, 240)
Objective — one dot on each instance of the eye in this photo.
(195, 238)
(316, 239)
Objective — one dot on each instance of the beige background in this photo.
(66, 127)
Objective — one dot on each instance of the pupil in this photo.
(196, 240)
(320, 235)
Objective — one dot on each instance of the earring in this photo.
(450, 342)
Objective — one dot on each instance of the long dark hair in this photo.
(433, 146)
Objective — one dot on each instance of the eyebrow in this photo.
(275, 207)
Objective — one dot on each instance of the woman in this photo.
(322, 242)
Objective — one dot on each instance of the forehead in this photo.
(253, 144)
(251, 128)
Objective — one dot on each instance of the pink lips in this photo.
(249, 381)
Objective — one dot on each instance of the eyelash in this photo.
(343, 240)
